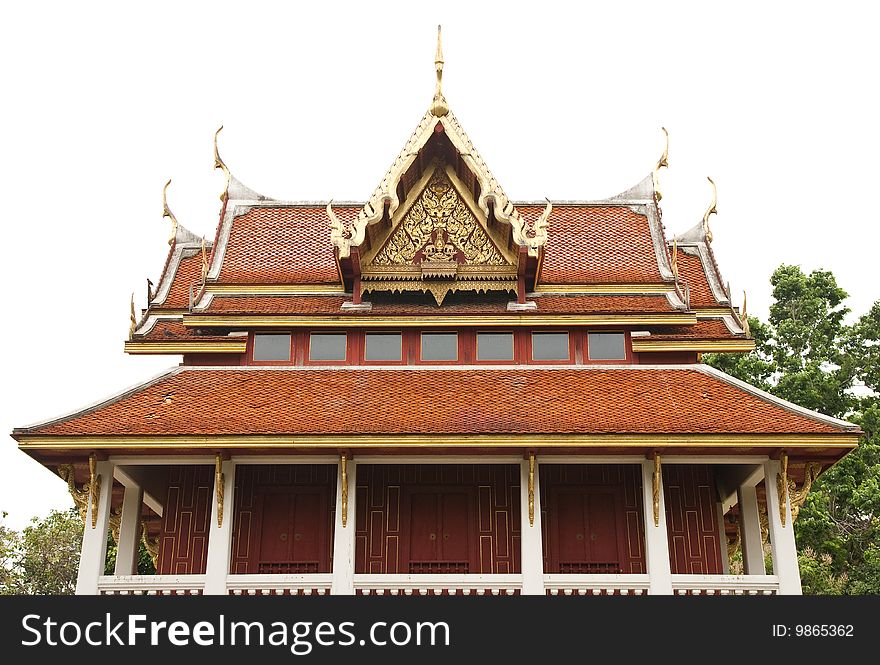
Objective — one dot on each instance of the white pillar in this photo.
(343, 536)
(656, 537)
(129, 531)
(783, 547)
(220, 536)
(94, 543)
(750, 531)
(532, 554)
(722, 539)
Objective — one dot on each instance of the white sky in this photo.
(103, 102)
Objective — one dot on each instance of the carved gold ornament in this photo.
(439, 208)
(150, 544)
(343, 479)
(782, 488)
(531, 490)
(115, 523)
(663, 162)
(439, 289)
(656, 480)
(744, 317)
(797, 496)
(711, 210)
(219, 482)
(166, 212)
(79, 495)
(733, 545)
(439, 107)
(219, 164)
(132, 326)
(94, 488)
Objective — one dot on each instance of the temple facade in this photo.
(441, 390)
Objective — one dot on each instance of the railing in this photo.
(724, 585)
(595, 585)
(438, 585)
(151, 585)
(279, 585)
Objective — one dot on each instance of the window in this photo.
(439, 346)
(327, 346)
(273, 348)
(382, 346)
(607, 346)
(495, 346)
(550, 346)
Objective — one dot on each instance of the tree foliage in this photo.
(43, 558)
(806, 353)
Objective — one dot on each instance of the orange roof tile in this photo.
(175, 331)
(596, 245)
(704, 329)
(189, 272)
(466, 400)
(281, 245)
(690, 268)
(456, 304)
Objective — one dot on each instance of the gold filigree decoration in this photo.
(94, 488)
(733, 545)
(150, 544)
(166, 212)
(656, 480)
(115, 523)
(437, 289)
(764, 522)
(219, 164)
(343, 480)
(439, 207)
(80, 495)
(132, 326)
(711, 210)
(531, 490)
(219, 482)
(439, 107)
(674, 261)
(663, 162)
(797, 496)
(782, 488)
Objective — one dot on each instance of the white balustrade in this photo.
(725, 585)
(437, 585)
(151, 585)
(279, 585)
(596, 585)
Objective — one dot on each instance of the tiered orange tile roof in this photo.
(511, 400)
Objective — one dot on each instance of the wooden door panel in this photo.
(454, 546)
(275, 521)
(602, 516)
(585, 535)
(424, 526)
(307, 532)
(572, 542)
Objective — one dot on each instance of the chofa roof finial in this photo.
(132, 326)
(166, 212)
(744, 317)
(219, 164)
(439, 107)
(711, 210)
(663, 162)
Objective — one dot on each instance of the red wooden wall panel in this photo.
(691, 519)
(626, 483)
(382, 530)
(250, 480)
(183, 548)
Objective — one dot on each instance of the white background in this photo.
(103, 102)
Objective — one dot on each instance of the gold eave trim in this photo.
(236, 346)
(166, 313)
(188, 443)
(275, 289)
(370, 321)
(600, 289)
(708, 345)
(712, 312)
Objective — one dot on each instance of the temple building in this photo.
(441, 390)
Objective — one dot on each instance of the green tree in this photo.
(44, 557)
(807, 354)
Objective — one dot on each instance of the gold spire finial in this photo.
(166, 212)
(663, 162)
(439, 107)
(219, 164)
(675, 258)
(744, 317)
(204, 262)
(711, 210)
(133, 325)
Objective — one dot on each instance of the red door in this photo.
(440, 525)
(585, 535)
(292, 530)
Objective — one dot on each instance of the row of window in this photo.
(439, 346)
